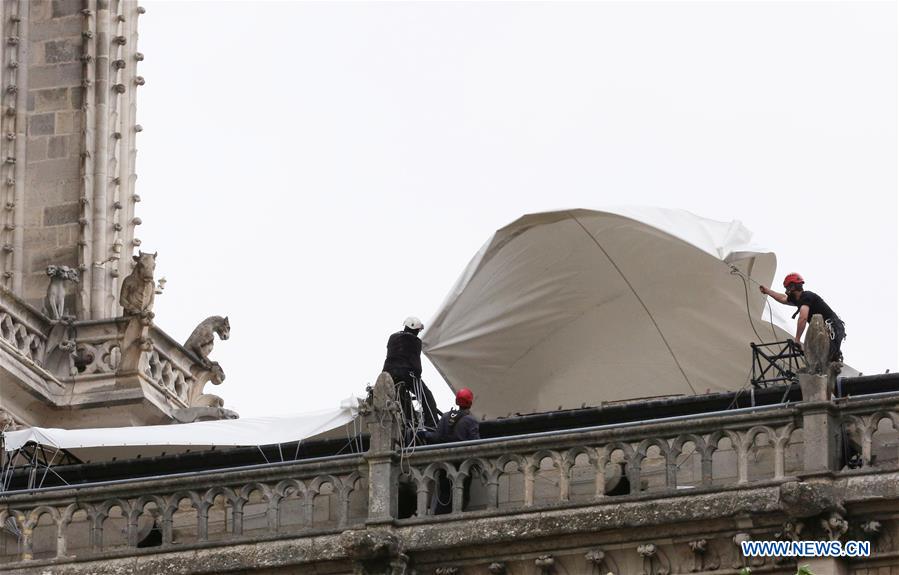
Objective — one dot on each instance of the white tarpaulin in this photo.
(580, 307)
(121, 442)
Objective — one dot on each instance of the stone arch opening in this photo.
(884, 442)
(149, 525)
(793, 453)
(546, 481)
(760, 456)
(326, 505)
(184, 522)
(10, 540)
(358, 504)
(653, 469)
(220, 518)
(724, 462)
(688, 465)
(115, 529)
(291, 509)
(582, 478)
(511, 485)
(77, 532)
(255, 512)
(615, 473)
(44, 537)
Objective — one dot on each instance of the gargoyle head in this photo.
(145, 265)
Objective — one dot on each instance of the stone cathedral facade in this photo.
(644, 488)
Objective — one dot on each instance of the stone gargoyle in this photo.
(139, 288)
(55, 302)
(202, 338)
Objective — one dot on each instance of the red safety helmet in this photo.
(464, 398)
(793, 278)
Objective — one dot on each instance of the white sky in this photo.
(319, 171)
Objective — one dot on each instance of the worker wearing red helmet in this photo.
(809, 304)
(456, 425)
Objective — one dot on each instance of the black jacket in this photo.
(456, 425)
(403, 354)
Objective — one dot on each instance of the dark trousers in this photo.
(838, 334)
(406, 389)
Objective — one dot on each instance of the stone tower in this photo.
(69, 83)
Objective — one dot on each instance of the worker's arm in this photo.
(801, 323)
(781, 297)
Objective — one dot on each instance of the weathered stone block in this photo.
(64, 214)
(39, 10)
(56, 28)
(67, 235)
(48, 193)
(57, 148)
(59, 51)
(51, 99)
(63, 8)
(30, 102)
(41, 124)
(65, 256)
(39, 237)
(34, 217)
(54, 76)
(67, 168)
(77, 98)
(65, 122)
(37, 149)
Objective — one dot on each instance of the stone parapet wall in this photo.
(663, 522)
(323, 496)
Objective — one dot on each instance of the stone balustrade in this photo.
(23, 328)
(284, 499)
(871, 428)
(167, 365)
(757, 457)
(585, 467)
(90, 363)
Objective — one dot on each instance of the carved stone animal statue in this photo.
(55, 302)
(817, 346)
(201, 340)
(138, 289)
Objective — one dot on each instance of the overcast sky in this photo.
(319, 171)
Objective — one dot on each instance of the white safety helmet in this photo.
(413, 322)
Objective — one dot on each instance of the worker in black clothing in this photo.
(403, 363)
(809, 304)
(457, 425)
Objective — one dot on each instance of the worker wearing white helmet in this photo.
(403, 363)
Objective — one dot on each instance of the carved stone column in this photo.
(822, 439)
(383, 471)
